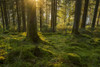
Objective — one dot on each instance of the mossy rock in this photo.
(74, 58)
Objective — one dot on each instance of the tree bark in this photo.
(32, 23)
(85, 14)
(18, 15)
(2, 15)
(13, 15)
(53, 15)
(95, 14)
(5, 14)
(23, 15)
(41, 14)
(98, 19)
(77, 16)
(47, 15)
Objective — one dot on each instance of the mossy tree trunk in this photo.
(84, 18)
(53, 15)
(32, 23)
(77, 16)
(95, 14)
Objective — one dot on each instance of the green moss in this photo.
(1, 37)
(19, 53)
(62, 50)
(74, 58)
(20, 63)
(42, 52)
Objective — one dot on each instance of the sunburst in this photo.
(36, 0)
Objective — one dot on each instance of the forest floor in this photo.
(60, 50)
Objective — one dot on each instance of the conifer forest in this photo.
(49, 33)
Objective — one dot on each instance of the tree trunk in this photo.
(32, 23)
(2, 15)
(5, 14)
(23, 15)
(47, 15)
(85, 14)
(95, 14)
(41, 14)
(13, 15)
(65, 11)
(53, 15)
(98, 19)
(77, 16)
(18, 15)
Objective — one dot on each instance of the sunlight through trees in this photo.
(49, 33)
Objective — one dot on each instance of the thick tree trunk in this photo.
(23, 15)
(5, 14)
(77, 16)
(53, 15)
(32, 23)
(18, 15)
(95, 14)
(85, 14)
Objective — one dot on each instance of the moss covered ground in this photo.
(60, 50)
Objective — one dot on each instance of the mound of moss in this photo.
(71, 59)
(2, 37)
(27, 54)
(74, 58)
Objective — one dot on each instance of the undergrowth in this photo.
(61, 50)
